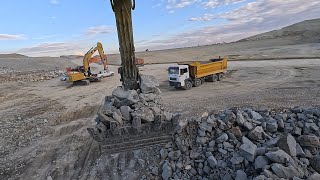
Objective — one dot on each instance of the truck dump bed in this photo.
(202, 69)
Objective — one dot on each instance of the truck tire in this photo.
(212, 78)
(219, 76)
(187, 85)
(197, 82)
(86, 82)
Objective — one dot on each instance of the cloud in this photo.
(176, 4)
(274, 13)
(51, 49)
(99, 30)
(248, 20)
(54, 2)
(217, 3)
(12, 36)
(205, 17)
(156, 5)
(45, 37)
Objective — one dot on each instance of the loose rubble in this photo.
(7, 74)
(245, 144)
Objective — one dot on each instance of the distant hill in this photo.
(303, 32)
(71, 56)
(13, 55)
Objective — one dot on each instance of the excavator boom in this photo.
(88, 55)
(127, 121)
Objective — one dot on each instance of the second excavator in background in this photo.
(82, 75)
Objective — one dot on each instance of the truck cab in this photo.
(178, 74)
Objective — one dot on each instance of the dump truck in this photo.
(193, 74)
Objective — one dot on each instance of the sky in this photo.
(65, 27)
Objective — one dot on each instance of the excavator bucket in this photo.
(126, 138)
(130, 119)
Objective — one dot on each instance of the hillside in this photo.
(13, 55)
(300, 33)
(300, 40)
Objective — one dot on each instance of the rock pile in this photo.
(7, 74)
(245, 144)
(5, 70)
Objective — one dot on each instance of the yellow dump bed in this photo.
(202, 69)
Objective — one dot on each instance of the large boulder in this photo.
(242, 122)
(288, 144)
(248, 149)
(255, 115)
(144, 113)
(315, 163)
(212, 161)
(286, 172)
(125, 112)
(241, 175)
(166, 171)
(314, 176)
(279, 156)
(148, 84)
(147, 97)
(256, 134)
(260, 162)
(222, 138)
(272, 125)
(126, 95)
(174, 155)
(309, 141)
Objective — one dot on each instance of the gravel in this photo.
(250, 153)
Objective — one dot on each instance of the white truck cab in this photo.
(178, 74)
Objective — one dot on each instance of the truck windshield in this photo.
(173, 70)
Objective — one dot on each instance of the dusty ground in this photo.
(43, 124)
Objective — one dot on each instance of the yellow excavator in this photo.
(82, 75)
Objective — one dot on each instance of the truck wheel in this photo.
(219, 76)
(212, 78)
(187, 85)
(86, 82)
(197, 82)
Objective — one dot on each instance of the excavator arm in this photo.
(88, 55)
(103, 58)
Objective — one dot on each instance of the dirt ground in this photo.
(43, 124)
(254, 50)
